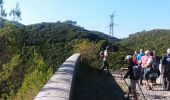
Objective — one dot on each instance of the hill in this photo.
(157, 40)
(29, 55)
(105, 36)
(4, 22)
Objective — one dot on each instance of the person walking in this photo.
(130, 73)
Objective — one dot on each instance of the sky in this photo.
(131, 16)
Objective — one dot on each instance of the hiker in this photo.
(130, 73)
(166, 70)
(152, 72)
(143, 64)
(105, 60)
(155, 66)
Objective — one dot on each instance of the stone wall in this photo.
(59, 87)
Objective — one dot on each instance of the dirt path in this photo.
(156, 94)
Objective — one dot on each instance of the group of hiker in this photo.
(143, 69)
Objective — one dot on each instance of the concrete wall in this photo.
(59, 87)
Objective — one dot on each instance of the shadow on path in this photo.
(92, 85)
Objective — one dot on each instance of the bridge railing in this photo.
(61, 84)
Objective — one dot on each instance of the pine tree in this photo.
(15, 13)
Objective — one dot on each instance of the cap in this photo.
(128, 57)
(168, 51)
(146, 52)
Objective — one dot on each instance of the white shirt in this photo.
(149, 61)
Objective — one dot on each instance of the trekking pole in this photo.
(125, 82)
(129, 89)
(141, 91)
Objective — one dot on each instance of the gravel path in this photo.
(156, 94)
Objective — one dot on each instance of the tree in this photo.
(3, 14)
(15, 13)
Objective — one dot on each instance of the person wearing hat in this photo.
(166, 70)
(133, 80)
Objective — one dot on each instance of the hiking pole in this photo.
(125, 82)
(141, 91)
(129, 89)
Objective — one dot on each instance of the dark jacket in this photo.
(166, 64)
(130, 70)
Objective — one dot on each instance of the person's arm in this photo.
(127, 73)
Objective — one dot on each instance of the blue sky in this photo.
(131, 15)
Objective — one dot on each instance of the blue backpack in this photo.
(137, 72)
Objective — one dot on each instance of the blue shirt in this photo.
(139, 56)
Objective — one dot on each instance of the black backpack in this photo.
(137, 72)
(154, 72)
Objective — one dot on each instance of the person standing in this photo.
(105, 60)
(166, 70)
(143, 64)
(151, 71)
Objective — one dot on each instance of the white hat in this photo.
(128, 57)
(168, 51)
(146, 52)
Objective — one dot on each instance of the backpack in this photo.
(166, 59)
(154, 73)
(137, 72)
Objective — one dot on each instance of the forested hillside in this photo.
(29, 55)
(157, 40)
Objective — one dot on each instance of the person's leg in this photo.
(133, 89)
(107, 67)
(103, 65)
(168, 84)
(150, 82)
(141, 79)
(145, 77)
(164, 82)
